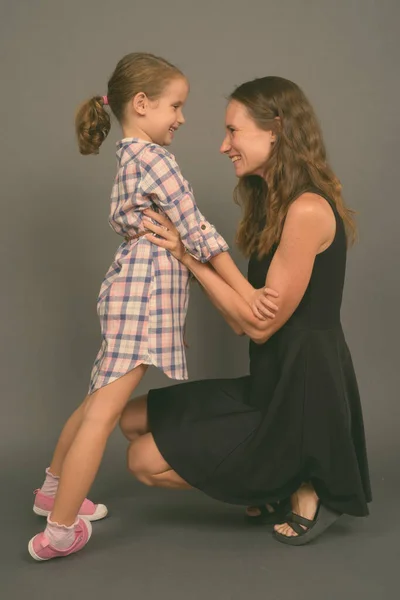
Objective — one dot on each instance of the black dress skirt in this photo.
(295, 418)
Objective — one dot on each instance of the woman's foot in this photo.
(268, 514)
(256, 511)
(305, 504)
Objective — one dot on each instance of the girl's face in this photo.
(159, 119)
(245, 143)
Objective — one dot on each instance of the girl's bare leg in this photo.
(101, 413)
(66, 438)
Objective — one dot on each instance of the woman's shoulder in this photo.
(312, 206)
(311, 212)
(311, 202)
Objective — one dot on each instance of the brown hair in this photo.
(136, 72)
(296, 163)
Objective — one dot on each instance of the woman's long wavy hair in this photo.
(296, 163)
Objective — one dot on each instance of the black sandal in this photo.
(266, 517)
(324, 518)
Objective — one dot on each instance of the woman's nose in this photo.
(225, 146)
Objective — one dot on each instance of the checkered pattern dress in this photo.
(143, 299)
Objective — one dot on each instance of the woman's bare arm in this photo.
(308, 227)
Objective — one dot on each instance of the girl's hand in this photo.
(263, 308)
(171, 240)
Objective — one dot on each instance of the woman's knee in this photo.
(138, 464)
(133, 420)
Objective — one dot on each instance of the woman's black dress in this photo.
(297, 417)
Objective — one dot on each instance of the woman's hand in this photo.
(185, 342)
(171, 240)
(261, 304)
(263, 308)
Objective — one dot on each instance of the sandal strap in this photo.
(300, 525)
(264, 510)
(295, 518)
(297, 528)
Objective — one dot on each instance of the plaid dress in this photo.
(143, 299)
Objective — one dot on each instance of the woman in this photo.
(293, 427)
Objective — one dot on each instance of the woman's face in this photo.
(245, 143)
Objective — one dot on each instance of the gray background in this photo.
(56, 246)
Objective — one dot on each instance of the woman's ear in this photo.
(276, 129)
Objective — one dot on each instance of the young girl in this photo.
(143, 300)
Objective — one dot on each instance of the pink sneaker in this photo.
(92, 512)
(40, 549)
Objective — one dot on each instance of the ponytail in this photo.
(92, 125)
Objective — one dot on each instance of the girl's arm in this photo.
(162, 184)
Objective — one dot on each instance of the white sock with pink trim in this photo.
(50, 485)
(60, 536)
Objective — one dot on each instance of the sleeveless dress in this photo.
(295, 418)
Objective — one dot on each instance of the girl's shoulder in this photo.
(150, 160)
(159, 162)
(137, 150)
(153, 151)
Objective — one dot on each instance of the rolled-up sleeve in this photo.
(163, 183)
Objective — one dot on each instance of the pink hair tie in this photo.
(105, 100)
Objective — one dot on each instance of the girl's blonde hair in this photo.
(136, 72)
